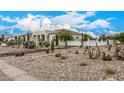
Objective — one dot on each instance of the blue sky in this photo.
(93, 23)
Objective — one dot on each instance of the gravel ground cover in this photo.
(47, 67)
(3, 77)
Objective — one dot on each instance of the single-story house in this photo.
(36, 36)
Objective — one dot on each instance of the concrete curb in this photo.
(14, 73)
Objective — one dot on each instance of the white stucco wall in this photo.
(90, 43)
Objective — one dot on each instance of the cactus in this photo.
(109, 70)
(90, 53)
(83, 63)
(52, 46)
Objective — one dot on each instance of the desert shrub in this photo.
(63, 57)
(106, 57)
(57, 54)
(47, 51)
(83, 63)
(41, 43)
(76, 52)
(44, 43)
(11, 43)
(29, 44)
(19, 54)
(119, 53)
(109, 70)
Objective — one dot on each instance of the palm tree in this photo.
(102, 37)
(65, 35)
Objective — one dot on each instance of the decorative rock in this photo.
(110, 79)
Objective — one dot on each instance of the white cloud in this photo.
(70, 21)
(66, 21)
(8, 19)
(31, 23)
(72, 18)
(114, 32)
(88, 14)
(2, 27)
(99, 23)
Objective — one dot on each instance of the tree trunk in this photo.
(107, 41)
(82, 40)
(66, 45)
(57, 41)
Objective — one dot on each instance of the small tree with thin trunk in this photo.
(2, 37)
(16, 40)
(65, 36)
(28, 36)
(82, 38)
(57, 40)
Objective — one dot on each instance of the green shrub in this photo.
(29, 44)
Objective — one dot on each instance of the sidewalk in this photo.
(11, 73)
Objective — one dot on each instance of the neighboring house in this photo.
(36, 36)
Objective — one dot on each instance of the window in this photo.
(77, 38)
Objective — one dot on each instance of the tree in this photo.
(52, 46)
(57, 40)
(23, 38)
(103, 37)
(2, 37)
(119, 37)
(28, 36)
(16, 40)
(87, 36)
(65, 36)
(82, 38)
